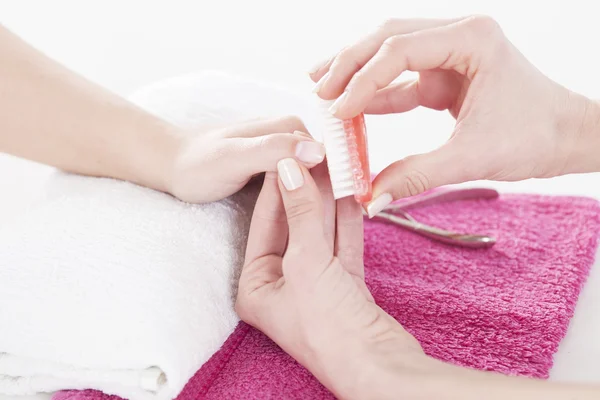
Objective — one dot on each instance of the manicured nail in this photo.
(310, 152)
(317, 67)
(290, 174)
(379, 204)
(321, 82)
(338, 103)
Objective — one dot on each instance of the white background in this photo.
(125, 44)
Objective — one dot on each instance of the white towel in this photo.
(111, 286)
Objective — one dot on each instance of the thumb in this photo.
(305, 215)
(417, 174)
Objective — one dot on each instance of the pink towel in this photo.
(504, 309)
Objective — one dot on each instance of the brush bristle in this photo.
(337, 153)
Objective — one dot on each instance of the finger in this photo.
(349, 242)
(333, 79)
(268, 229)
(249, 156)
(447, 165)
(320, 69)
(305, 215)
(401, 97)
(321, 176)
(261, 127)
(436, 89)
(459, 46)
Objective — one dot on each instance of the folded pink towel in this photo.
(504, 309)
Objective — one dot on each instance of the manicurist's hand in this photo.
(512, 122)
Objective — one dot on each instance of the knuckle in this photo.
(389, 24)
(393, 44)
(353, 223)
(359, 79)
(271, 214)
(345, 58)
(345, 55)
(277, 145)
(363, 81)
(483, 27)
(484, 42)
(265, 142)
(414, 183)
(289, 124)
(270, 181)
(352, 254)
(301, 208)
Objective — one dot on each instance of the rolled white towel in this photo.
(111, 286)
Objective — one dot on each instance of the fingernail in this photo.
(338, 103)
(379, 204)
(317, 67)
(290, 174)
(310, 152)
(321, 82)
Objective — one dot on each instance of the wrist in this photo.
(384, 368)
(399, 374)
(580, 122)
(152, 155)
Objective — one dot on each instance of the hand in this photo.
(215, 163)
(512, 122)
(69, 123)
(303, 283)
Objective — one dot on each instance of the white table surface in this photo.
(125, 44)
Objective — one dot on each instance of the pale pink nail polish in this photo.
(317, 67)
(290, 174)
(321, 82)
(377, 205)
(310, 152)
(338, 103)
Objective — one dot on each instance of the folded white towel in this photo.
(111, 286)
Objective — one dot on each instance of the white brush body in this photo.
(337, 152)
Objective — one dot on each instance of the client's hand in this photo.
(512, 122)
(303, 283)
(214, 163)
